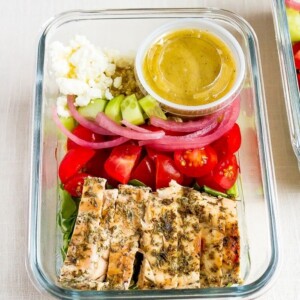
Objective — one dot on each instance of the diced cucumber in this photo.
(151, 107)
(113, 108)
(68, 122)
(93, 108)
(131, 110)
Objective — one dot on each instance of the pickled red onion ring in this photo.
(184, 143)
(83, 121)
(106, 123)
(189, 126)
(83, 143)
(134, 127)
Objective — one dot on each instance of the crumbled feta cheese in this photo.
(110, 69)
(82, 100)
(69, 86)
(94, 93)
(62, 109)
(79, 41)
(117, 82)
(59, 58)
(108, 95)
(84, 70)
(89, 62)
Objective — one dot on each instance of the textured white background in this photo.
(20, 23)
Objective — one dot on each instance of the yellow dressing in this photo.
(189, 67)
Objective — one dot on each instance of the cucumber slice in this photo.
(131, 110)
(151, 107)
(113, 109)
(68, 122)
(92, 109)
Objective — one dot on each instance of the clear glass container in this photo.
(125, 29)
(288, 73)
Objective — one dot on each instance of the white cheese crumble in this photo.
(84, 70)
(117, 82)
(62, 109)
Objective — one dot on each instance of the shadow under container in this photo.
(125, 30)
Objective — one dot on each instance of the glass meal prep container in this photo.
(124, 30)
(288, 73)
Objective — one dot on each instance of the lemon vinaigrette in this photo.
(190, 67)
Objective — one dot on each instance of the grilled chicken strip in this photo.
(125, 229)
(212, 223)
(159, 240)
(86, 261)
(231, 244)
(189, 246)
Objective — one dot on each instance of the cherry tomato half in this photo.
(226, 172)
(229, 143)
(121, 162)
(84, 134)
(145, 172)
(73, 162)
(195, 162)
(208, 180)
(166, 171)
(75, 184)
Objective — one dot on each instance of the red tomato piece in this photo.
(195, 162)
(75, 184)
(296, 47)
(84, 134)
(73, 162)
(188, 181)
(297, 60)
(226, 172)
(208, 181)
(121, 162)
(166, 171)
(145, 172)
(229, 143)
(95, 166)
(152, 153)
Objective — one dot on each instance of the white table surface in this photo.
(20, 22)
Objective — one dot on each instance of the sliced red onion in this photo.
(134, 127)
(105, 122)
(184, 143)
(189, 126)
(83, 143)
(83, 121)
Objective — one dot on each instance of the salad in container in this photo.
(287, 25)
(152, 172)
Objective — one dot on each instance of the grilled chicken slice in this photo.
(189, 246)
(231, 244)
(212, 224)
(160, 240)
(86, 261)
(125, 229)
